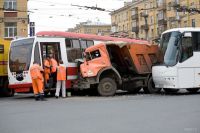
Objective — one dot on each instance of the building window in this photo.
(10, 4)
(151, 18)
(10, 30)
(169, 8)
(185, 23)
(193, 22)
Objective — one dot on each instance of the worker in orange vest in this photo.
(53, 64)
(37, 81)
(61, 79)
(46, 69)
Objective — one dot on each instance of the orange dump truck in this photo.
(117, 65)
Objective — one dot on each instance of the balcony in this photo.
(162, 22)
(143, 14)
(175, 4)
(145, 27)
(113, 24)
(162, 6)
(172, 19)
(134, 13)
(135, 29)
(134, 17)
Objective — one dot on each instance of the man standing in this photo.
(37, 81)
(53, 64)
(46, 70)
(61, 79)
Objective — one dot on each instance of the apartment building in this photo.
(149, 18)
(121, 20)
(92, 28)
(13, 19)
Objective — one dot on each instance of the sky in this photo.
(61, 15)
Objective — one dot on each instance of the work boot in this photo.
(42, 97)
(37, 98)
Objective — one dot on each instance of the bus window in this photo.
(83, 44)
(37, 54)
(196, 41)
(187, 50)
(90, 43)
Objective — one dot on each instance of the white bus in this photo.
(181, 66)
(65, 45)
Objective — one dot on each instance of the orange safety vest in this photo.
(35, 72)
(46, 66)
(61, 72)
(54, 64)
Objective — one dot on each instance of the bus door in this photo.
(52, 47)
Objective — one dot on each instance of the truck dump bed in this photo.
(134, 58)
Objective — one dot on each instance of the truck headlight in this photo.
(90, 73)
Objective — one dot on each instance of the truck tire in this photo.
(151, 87)
(168, 90)
(107, 87)
(192, 90)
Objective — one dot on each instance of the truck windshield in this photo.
(20, 55)
(169, 45)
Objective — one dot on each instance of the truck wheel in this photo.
(192, 90)
(107, 87)
(151, 87)
(167, 90)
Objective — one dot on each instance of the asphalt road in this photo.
(123, 113)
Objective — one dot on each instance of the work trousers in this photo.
(37, 86)
(58, 86)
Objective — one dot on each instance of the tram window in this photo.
(90, 43)
(51, 48)
(83, 44)
(37, 54)
(76, 44)
(68, 43)
(74, 52)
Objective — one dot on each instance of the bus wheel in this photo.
(192, 90)
(107, 87)
(151, 87)
(167, 90)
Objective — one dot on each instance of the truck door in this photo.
(96, 60)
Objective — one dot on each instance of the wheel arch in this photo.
(109, 71)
